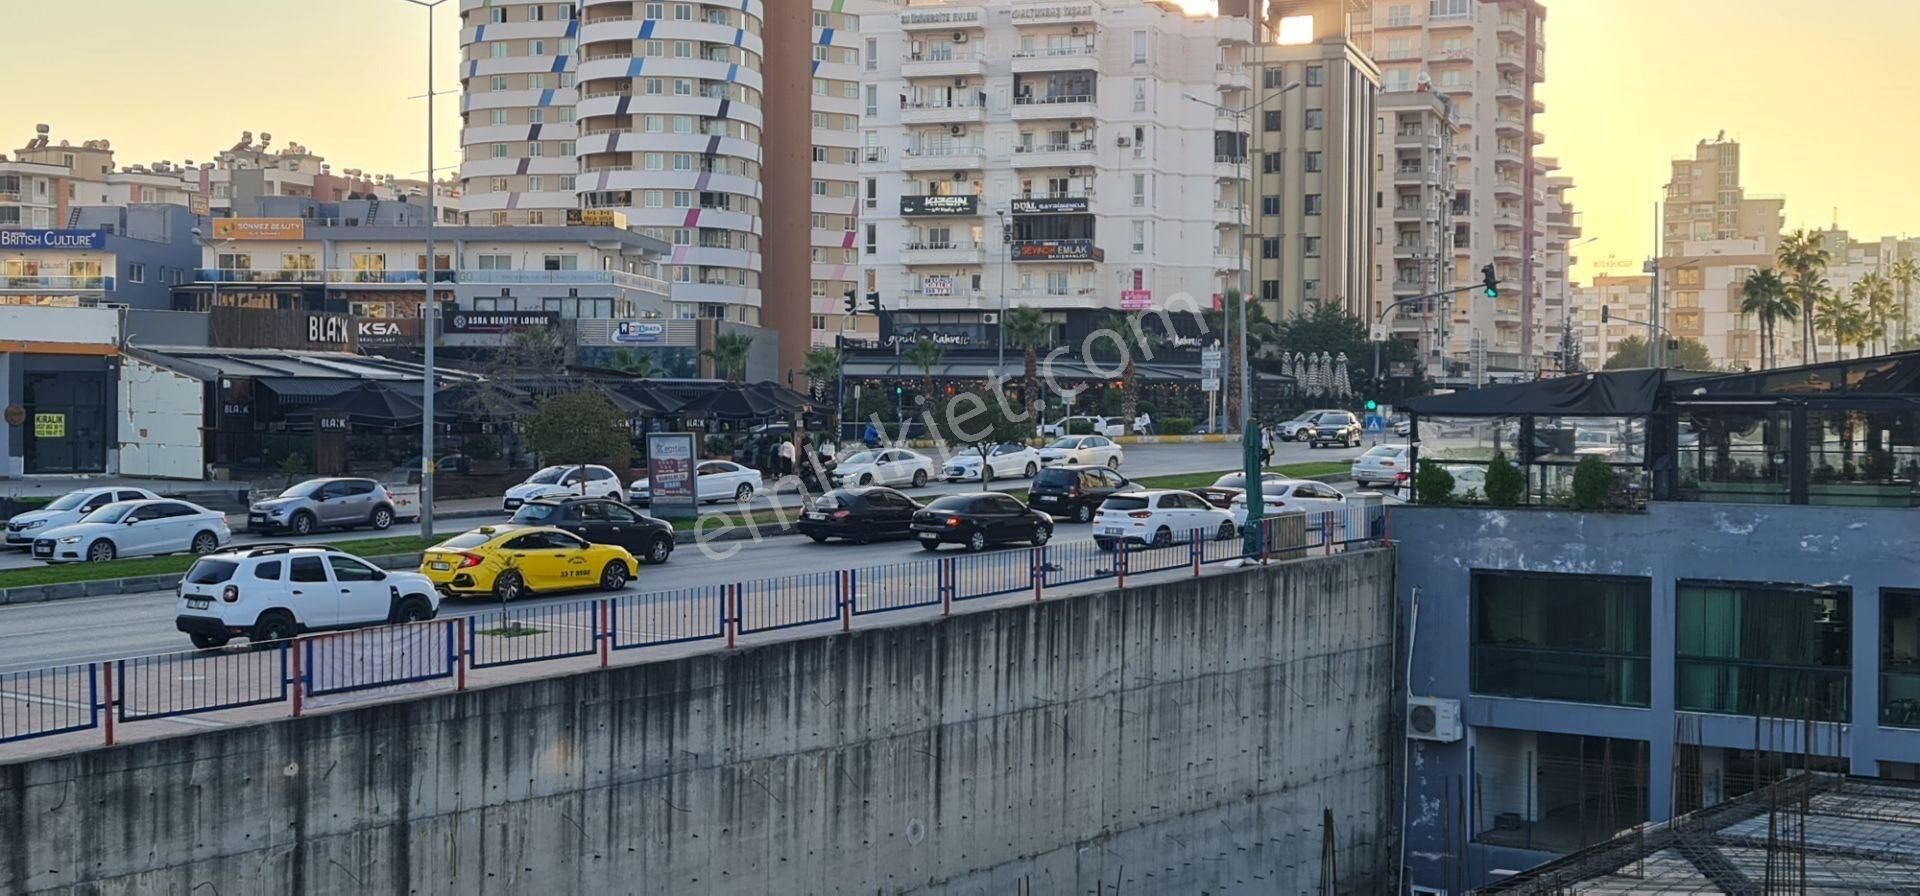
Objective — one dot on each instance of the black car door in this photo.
(903, 510)
(622, 526)
(575, 518)
(1009, 519)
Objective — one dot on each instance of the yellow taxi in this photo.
(508, 562)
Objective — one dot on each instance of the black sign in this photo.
(1062, 205)
(1057, 250)
(463, 322)
(939, 206)
(333, 421)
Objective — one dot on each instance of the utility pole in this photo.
(429, 307)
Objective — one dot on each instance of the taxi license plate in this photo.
(439, 565)
(1113, 530)
(198, 603)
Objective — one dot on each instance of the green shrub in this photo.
(1176, 426)
(1506, 485)
(1592, 483)
(1433, 484)
(1080, 428)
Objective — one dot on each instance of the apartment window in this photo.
(536, 13)
(497, 219)
(1763, 650)
(536, 149)
(566, 147)
(1139, 94)
(1269, 205)
(1312, 203)
(1270, 120)
(536, 217)
(1900, 658)
(1314, 76)
(1139, 46)
(497, 116)
(873, 100)
(137, 273)
(497, 185)
(536, 48)
(1310, 290)
(1270, 290)
(1582, 639)
(873, 54)
(1556, 792)
(566, 181)
(1310, 246)
(1312, 161)
(1448, 8)
(1273, 78)
(497, 16)
(819, 188)
(497, 49)
(1269, 163)
(873, 239)
(1399, 16)
(536, 184)
(1139, 191)
(537, 81)
(1270, 247)
(499, 150)
(497, 82)
(682, 199)
(1315, 119)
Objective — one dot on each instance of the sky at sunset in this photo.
(1819, 95)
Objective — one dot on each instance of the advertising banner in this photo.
(936, 206)
(469, 322)
(1136, 299)
(1057, 250)
(1061, 205)
(93, 240)
(633, 332)
(670, 462)
(259, 228)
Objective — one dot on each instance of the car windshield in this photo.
(535, 514)
(211, 572)
(108, 514)
(1065, 443)
(1124, 503)
(302, 489)
(467, 540)
(951, 503)
(864, 457)
(548, 476)
(70, 501)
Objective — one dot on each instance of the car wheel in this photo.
(614, 576)
(1362, 483)
(615, 497)
(659, 549)
(977, 542)
(919, 478)
(1162, 537)
(101, 551)
(866, 478)
(208, 642)
(743, 494)
(204, 543)
(1226, 532)
(413, 609)
(1083, 514)
(382, 518)
(1032, 469)
(301, 524)
(818, 538)
(273, 625)
(1113, 463)
(1040, 535)
(509, 586)
(929, 545)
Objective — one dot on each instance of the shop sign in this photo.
(1052, 13)
(596, 217)
(1057, 250)
(629, 332)
(937, 286)
(53, 239)
(387, 332)
(1136, 299)
(1059, 205)
(49, 426)
(469, 322)
(670, 460)
(939, 206)
(953, 339)
(241, 229)
(330, 329)
(333, 422)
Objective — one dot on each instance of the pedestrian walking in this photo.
(1266, 445)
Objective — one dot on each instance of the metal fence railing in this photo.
(79, 697)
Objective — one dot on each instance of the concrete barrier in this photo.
(1172, 738)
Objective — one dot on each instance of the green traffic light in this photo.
(1493, 293)
(1373, 405)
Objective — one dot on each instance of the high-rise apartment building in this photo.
(1556, 338)
(1488, 57)
(837, 67)
(1415, 217)
(1044, 153)
(517, 105)
(1313, 161)
(1705, 201)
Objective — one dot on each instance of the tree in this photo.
(499, 397)
(1835, 317)
(1631, 352)
(729, 355)
(1874, 296)
(977, 420)
(926, 355)
(822, 367)
(579, 428)
(1133, 340)
(1804, 254)
(634, 364)
(1027, 329)
(1764, 296)
(1903, 274)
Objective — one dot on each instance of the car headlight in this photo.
(33, 524)
(71, 539)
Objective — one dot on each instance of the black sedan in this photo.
(1219, 495)
(1075, 491)
(861, 514)
(602, 522)
(980, 519)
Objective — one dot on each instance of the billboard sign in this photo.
(93, 240)
(939, 206)
(1136, 299)
(1059, 205)
(259, 228)
(387, 331)
(470, 322)
(633, 332)
(1057, 250)
(670, 463)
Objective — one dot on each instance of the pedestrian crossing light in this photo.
(1372, 405)
(1489, 282)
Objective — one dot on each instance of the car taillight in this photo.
(230, 594)
(1073, 491)
(1386, 463)
(953, 521)
(840, 514)
(1140, 514)
(467, 560)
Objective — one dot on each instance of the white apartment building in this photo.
(1414, 172)
(1045, 152)
(1700, 294)
(1555, 334)
(517, 105)
(1625, 296)
(838, 64)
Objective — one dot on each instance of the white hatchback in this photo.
(273, 592)
(1097, 451)
(1158, 518)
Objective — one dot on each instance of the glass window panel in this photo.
(1772, 650)
(1561, 637)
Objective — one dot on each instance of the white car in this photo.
(1158, 518)
(1291, 496)
(1097, 451)
(585, 480)
(65, 510)
(274, 592)
(1290, 430)
(133, 529)
(892, 466)
(1006, 460)
(1384, 464)
(1105, 426)
(715, 480)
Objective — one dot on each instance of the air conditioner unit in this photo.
(1433, 718)
(1125, 141)
(1073, 126)
(1073, 172)
(959, 82)
(990, 318)
(959, 37)
(1075, 30)
(957, 130)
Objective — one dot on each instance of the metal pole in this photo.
(1000, 328)
(1240, 253)
(429, 309)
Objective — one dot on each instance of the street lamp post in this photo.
(1000, 328)
(430, 307)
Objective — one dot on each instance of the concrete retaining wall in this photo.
(1179, 738)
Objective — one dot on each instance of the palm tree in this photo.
(729, 354)
(634, 364)
(926, 354)
(1261, 333)
(1804, 253)
(1764, 296)
(1126, 325)
(1027, 328)
(822, 368)
(1874, 294)
(1834, 316)
(1903, 274)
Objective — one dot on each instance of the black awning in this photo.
(1606, 393)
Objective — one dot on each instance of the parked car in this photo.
(1239, 480)
(510, 562)
(270, 593)
(1074, 491)
(714, 480)
(558, 482)
(1096, 450)
(1066, 426)
(1403, 427)
(134, 529)
(860, 513)
(1158, 518)
(66, 510)
(602, 522)
(1600, 443)
(1218, 495)
(317, 503)
(1335, 428)
(1004, 461)
(978, 520)
(891, 466)
(1290, 430)
(1302, 495)
(1381, 464)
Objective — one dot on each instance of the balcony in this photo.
(951, 113)
(1510, 92)
(57, 283)
(1040, 108)
(1228, 213)
(1413, 249)
(1507, 251)
(349, 277)
(943, 158)
(1404, 212)
(947, 252)
(1506, 220)
(1416, 138)
(1507, 124)
(1441, 55)
(1230, 168)
(952, 298)
(1505, 187)
(1225, 259)
(1438, 22)
(944, 64)
(1229, 76)
(1075, 154)
(1510, 61)
(1512, 26)
(1055, 59)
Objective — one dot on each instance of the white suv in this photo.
(268, 593)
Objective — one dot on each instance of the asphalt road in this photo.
(1141, 460)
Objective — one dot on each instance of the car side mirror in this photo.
(379, 575)
(130, 521)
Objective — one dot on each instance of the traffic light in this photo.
(853, 304)
(1603, 314)
(1372, 405)
(873, 302)
(1489, 282)
(899, 391)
